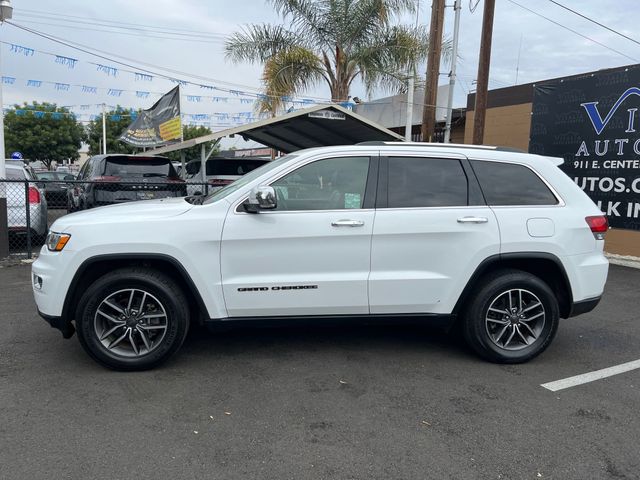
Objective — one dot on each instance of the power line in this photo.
(83, 19)
(574, 31)
(103, 55)
(139, 35)
(122, 26)
(595, 21)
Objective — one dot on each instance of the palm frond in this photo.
(292, 70)
(257, 43)
(310, 18)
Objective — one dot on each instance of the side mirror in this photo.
(261, 198)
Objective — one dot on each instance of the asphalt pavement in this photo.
(384, 402)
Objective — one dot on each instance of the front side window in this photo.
(330, 184)
(426, 182)
(511, 184)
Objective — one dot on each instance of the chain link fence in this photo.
(31, 206)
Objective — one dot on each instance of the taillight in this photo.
(34, 195)
(598, 225)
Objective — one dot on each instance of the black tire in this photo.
(160, 290)
(481, 327)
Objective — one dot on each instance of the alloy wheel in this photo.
(130, 322)
(515, 319)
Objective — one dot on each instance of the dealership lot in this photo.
(341, 402)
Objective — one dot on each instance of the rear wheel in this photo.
(132, 319)
(512, 318)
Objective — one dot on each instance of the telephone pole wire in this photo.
(433, 70)
(483, 72)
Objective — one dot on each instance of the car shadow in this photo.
(239, 340)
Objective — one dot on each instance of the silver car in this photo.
(17, 202)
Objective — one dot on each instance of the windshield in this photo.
(48, 176)
(138, 167)
(15, 173)
(249, 177)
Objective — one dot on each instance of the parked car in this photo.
(501, 244)
(55, 187)
(221, 171)
(17, 200)
(108, 179)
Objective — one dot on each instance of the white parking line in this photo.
(591, 376)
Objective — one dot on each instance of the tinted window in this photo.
(232, 167)
(331, 184)
(510, 184)
(426, 182)
(47, 176)
(138, 167)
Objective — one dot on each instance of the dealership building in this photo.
(591, 120)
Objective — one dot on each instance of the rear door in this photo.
(432, 230)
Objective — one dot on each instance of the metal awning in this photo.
(318, 126)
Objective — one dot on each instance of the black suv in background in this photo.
(55, 187)
(109, 179)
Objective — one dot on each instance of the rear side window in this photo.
(511, 184)
(426, 182)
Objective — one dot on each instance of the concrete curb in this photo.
(624, 260)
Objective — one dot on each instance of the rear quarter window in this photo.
(511, 184)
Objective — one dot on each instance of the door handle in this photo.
(347, 223)
(473, 220)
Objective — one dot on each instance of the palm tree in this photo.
(332, 41)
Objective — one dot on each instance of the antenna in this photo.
(518, 62)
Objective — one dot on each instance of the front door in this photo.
(309, 256)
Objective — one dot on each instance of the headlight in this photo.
(57, 241)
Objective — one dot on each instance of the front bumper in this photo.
(65, 326)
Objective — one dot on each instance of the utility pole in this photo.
(457, 7)
(409, 123)
(6, 13)
(433, 70)
(104, 131)
(483, 72)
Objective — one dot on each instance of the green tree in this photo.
(43, 132)
(116, 122)
(189, 132)
(332, 41)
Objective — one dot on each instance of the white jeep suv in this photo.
(501, 242)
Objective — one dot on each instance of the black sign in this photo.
(593, 123)
(158, 125)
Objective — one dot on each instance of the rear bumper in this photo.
(62, 324)
(584, 306)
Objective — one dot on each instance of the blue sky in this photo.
(547, 50)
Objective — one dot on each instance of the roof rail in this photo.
(442, 145)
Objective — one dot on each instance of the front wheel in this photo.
(512, 318)
(132, 319)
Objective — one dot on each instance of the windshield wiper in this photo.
(155, 175)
